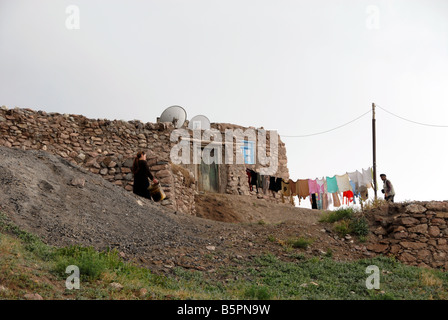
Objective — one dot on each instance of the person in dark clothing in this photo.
(142, 174)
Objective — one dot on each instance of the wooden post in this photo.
(374, 150)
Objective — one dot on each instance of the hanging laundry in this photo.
(249, 177)
(343, 183)
(325, 203)
(356, 178)
(313, 201)
(332, 185)
(312, 186)
(254, 178)
(363, 191)
(278, 184)
(336, 201)
(286, 190)
(259, 181)
(354, 189)
(330, 199)
(321, 185)
(292, 186)
(367, 177)
(302, 188)
(272, 184)
(347, 197)
(265, 182)
(319, 201)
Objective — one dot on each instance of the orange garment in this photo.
(286, 188)
(292, 186)
(336, 201)
(302, 188)
(324, 201)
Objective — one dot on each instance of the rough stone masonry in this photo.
(108, 147)
(416, 233)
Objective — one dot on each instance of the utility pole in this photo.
(374, 150)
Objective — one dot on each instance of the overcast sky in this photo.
(300, 67)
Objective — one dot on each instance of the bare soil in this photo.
(66, 205)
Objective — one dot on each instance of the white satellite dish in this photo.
(174, 114)
(199, 122)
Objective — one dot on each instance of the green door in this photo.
(208, 177)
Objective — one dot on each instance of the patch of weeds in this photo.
(90, 262)
(297, 256)
(209, 256)
(329, 253)
(374, 204)
(342, 228)
(362, 239)
(356, 226)
(359, 226)
(300, 242)
(337, 215)
(347, 221)
(381, 295)
(257, 292)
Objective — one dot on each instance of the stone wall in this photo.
(108, 147)
(416, 233)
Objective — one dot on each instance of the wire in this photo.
(317, 133)
(422, 124)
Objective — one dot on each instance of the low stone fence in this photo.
(416, 233)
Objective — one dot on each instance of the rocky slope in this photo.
(65, 204)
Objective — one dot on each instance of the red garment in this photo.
(249, 175)
(348, 197)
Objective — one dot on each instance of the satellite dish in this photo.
(199, 122)
(174, 114)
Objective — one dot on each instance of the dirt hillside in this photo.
(65, 205)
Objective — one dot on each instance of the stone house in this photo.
(108, 147)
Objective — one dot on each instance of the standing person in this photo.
(388, 188)
(141, 172)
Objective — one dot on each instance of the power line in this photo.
(422, 124)
(345, 124)
(322, 132)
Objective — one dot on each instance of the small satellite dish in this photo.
(199, 122)
(174, 114)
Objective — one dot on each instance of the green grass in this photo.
(347, 221)
(27, 265)
(337, 215)
(338, 280)
(91, 263)
(359, 226)
(299, 242)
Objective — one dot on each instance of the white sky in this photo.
(296, 66)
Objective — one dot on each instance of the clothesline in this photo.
(322, 191)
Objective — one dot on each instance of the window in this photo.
(248, 149)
